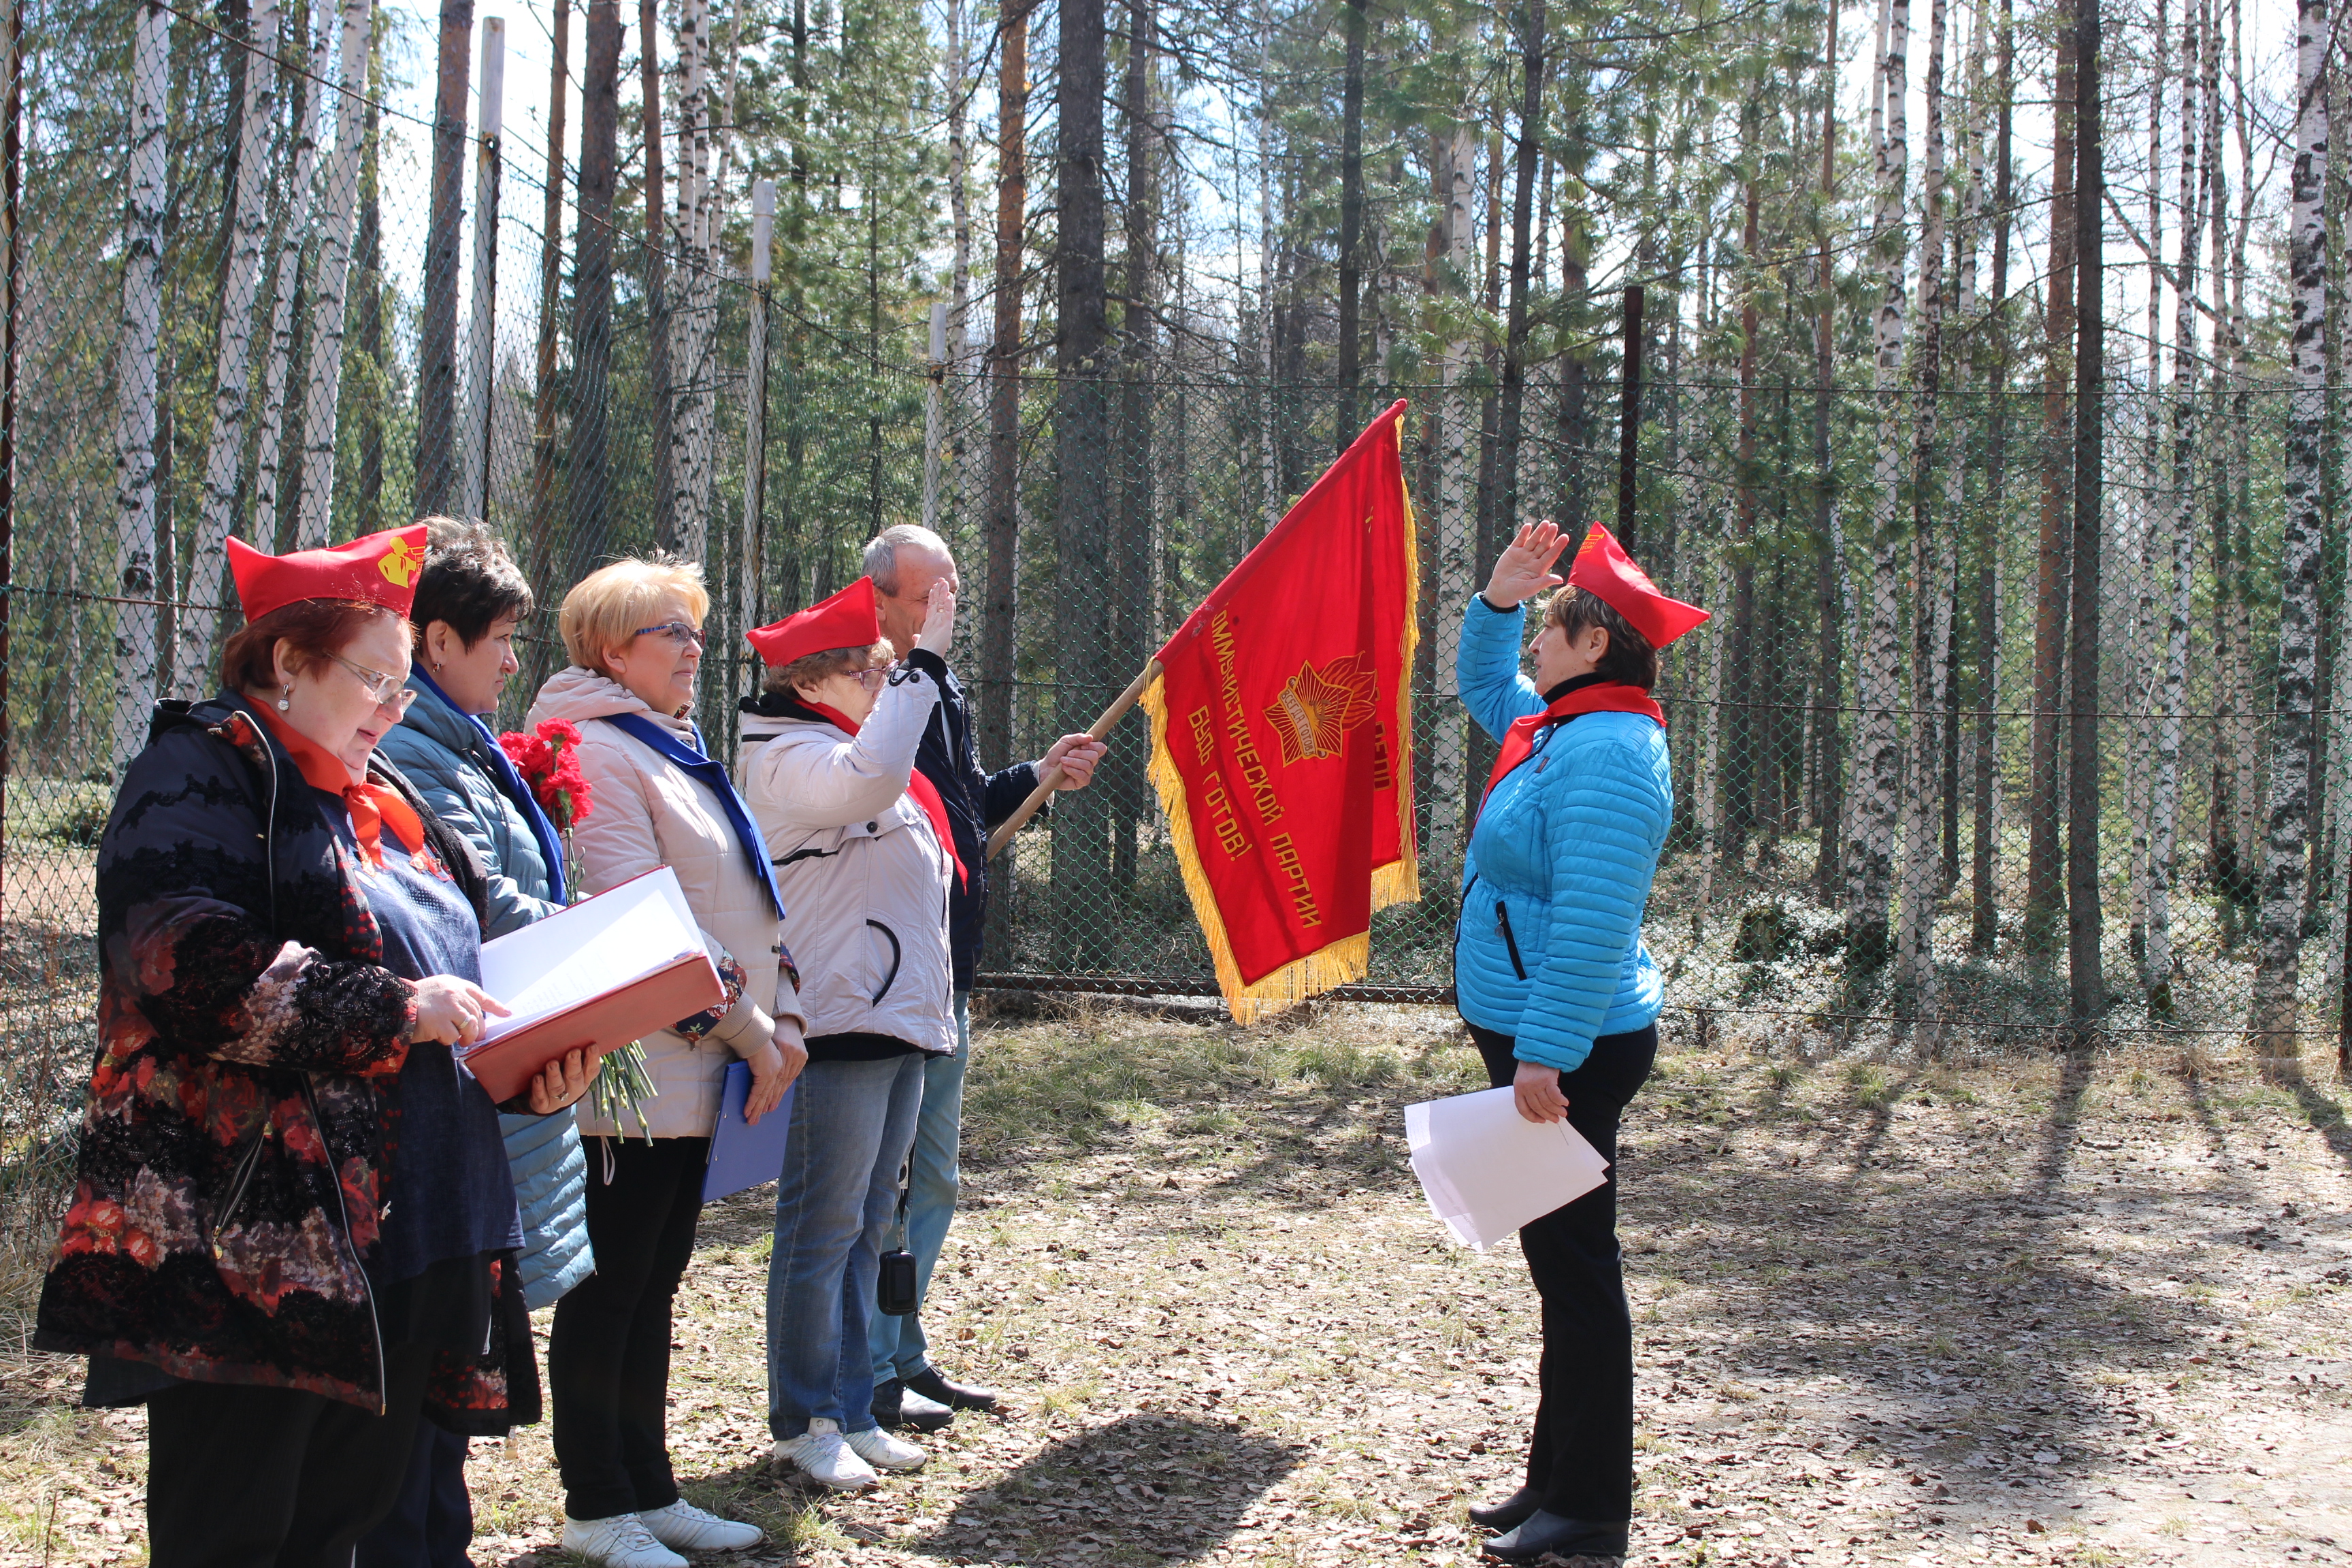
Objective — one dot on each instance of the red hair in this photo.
(317, 629)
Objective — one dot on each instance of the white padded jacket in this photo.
(864, 876)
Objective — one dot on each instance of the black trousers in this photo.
(432, 1520)
(608, 1352)
(1580, 1460)
(242, 1477)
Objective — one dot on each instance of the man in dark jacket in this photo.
(904, 561)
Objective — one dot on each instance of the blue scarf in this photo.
(510, 783)
(712, 775)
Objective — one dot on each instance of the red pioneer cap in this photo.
(380, 568)
(845, 620)
(1604, 570)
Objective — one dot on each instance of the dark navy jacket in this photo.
(976, 801)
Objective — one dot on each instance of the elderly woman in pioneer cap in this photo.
(1551, 975)
(634, 631)
(292, 1233)
(866, 858)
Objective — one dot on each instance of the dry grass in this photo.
(2063, 1313)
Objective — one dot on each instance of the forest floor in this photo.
(2014, 1309)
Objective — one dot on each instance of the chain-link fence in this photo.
(223, 322)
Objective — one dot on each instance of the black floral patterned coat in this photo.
(245, 1101)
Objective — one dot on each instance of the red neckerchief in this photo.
(373, 806)
(926, 792)
(1608, 697)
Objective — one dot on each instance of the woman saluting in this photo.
(1553, 979)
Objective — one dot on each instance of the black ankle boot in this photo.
(1541, 1533)
(1509, 1514)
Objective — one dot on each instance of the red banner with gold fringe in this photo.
(1282, 736)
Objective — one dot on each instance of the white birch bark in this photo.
(1878, 765)
(2286, 825)
(688, 361)
(281, 309)
(136, 649)
(1269, 467)
(2340, 809)
(2180, 525)
(1457, 522)
(2143, 669)
(1921, 845)
(963, 377)
(208, 581)
(314, 509)
(1710, 761)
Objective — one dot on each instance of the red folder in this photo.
(505, 1066)
(554, 974)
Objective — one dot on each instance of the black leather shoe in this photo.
(954, 1395)
(1509, 1514)
(1547, 1534)
(895, 1405)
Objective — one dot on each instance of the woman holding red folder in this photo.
(634, 631)
(865, 858)
(293, 1233)
(1551, 975)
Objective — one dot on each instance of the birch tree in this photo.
(2180, 525)
(1456, 523)
(281, 310)
(2286, 826)
(315, 510)
(136, 650)
(688, 356)
(1877, 751)
(199, 625)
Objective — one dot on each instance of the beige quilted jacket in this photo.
(643, 814)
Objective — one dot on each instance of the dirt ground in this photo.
(2022, 1310)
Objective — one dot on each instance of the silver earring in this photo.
(287, 700)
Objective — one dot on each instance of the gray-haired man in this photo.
(904, 561)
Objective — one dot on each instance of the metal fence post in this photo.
(481, 328)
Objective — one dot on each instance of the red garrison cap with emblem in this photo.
(380, 568)
(1604, 570)
(845, 620)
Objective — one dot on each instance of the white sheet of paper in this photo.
(598, 945)
(1487, 1170)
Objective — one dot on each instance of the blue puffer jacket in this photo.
(440, 751)
(1549, 948)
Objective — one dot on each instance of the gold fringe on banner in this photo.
(1348, 959)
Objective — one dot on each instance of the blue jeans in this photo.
(836, 1200)
(900, 1347)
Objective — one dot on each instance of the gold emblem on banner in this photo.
(1317, 708)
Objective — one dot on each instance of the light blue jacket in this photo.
(439, 749)
(1547, 948)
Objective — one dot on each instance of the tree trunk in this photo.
(267, 443)
(1984, 924)
(1132, 598)
(1351, 222)
(370, 262)
(2180, 526)
(687, 357)
(661, 397)
(2287, 826)
(1922, 855)
(1456, 449)
(591, 290)
(537, 541)
(1082, 568)
(436, 338)
(208, 581)
(136, 649)
(1001, 528)
(2087, 983)
(1830, 655)
(2044, 893)
(482, 297)
(1738, 715)
(1515, 337)
(1878, 760)
(314, 512)
(2143, 669)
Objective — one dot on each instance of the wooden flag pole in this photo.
(1049, 778)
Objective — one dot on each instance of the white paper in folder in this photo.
(1487, 1170)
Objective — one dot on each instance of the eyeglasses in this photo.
(385, 691)
(873, 676)
(679, 632)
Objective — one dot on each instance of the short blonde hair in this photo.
(606, 608)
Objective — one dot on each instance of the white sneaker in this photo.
(884, 1452)
(687, 1528)
(824, 1456)
(620, 1541)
